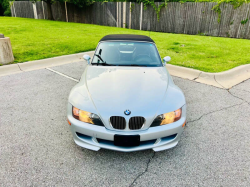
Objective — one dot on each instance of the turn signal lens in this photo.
(177, 114)
(76, 112)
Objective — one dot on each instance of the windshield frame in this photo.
(161, 64)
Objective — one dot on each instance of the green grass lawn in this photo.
(38, 39)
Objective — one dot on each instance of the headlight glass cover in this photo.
(167, 118)
(86, 117)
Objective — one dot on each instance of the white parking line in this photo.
(62, 74)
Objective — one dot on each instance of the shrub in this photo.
(7, 12)
(6, 7)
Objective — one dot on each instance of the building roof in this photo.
(128, 37)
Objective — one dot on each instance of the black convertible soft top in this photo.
(128, 37)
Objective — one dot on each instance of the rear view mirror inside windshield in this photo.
(127, 44)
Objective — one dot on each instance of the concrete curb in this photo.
(233, 76)
(208, 78)
(41, 64)
(182, 72)
(9, 69)
(226, 79)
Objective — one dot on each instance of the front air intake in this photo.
(118, 122)
(136, 122)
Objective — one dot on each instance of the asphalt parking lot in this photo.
(37, 148)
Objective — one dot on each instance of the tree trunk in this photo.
(50, 15)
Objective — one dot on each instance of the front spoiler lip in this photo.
(106, 134)
(155, 147)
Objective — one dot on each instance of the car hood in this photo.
(115, 89)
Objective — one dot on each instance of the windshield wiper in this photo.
(102, 64)
(98, 56)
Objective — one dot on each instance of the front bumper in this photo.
(95, 137)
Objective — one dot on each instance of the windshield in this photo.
(127, 54)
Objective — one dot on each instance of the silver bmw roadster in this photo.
(126, 100)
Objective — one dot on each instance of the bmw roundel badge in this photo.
(127, 112)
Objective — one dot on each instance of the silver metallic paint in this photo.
(109, 90)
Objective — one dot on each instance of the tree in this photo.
(81, 3)
(1, 9)
(5, 8)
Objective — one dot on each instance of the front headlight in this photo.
(86, 117)
(167, 118)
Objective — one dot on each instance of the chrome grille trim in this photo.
(136, 122)
(118, 122)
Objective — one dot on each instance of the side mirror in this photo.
(87, 58)
(166, 59)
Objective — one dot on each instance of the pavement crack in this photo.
(228, 90)
(138, 176)
(19, 67)
(238, 97)
(197, 77)
(213, 112)
(219, 83)
(66, 76)
(242, 90)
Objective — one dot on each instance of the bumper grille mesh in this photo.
(136, 122)
(118, 122)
